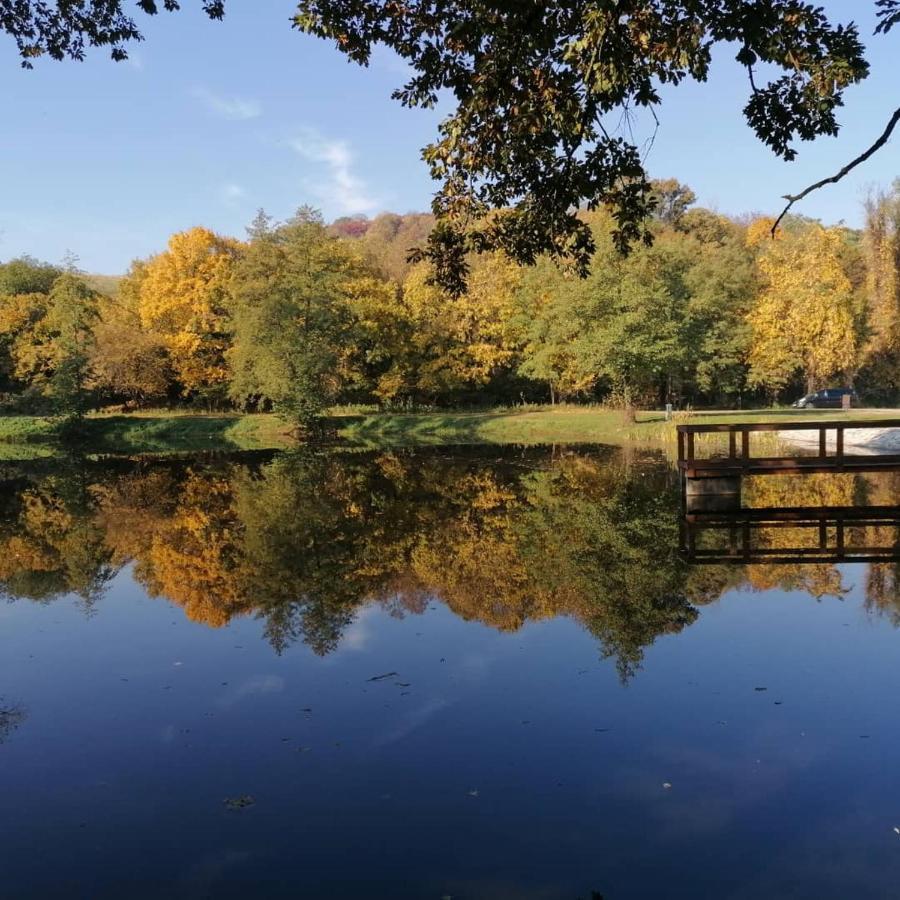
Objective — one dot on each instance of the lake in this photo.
(456, 673)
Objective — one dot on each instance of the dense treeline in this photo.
(301, 315)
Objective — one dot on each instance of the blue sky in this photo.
(209, 121)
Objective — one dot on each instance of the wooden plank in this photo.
(807, 425)
(698, 468)
(732, 444)
(720, 558)
(823, 442)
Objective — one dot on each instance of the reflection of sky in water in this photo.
(487, 763)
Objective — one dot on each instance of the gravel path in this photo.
(860, 440)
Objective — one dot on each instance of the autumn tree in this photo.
(803, 318)
(21, 359)
(184, 298)
(459, 344)
(129, 360)
(881, 241)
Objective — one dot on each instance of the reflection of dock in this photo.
(832, 534)
(739, 460)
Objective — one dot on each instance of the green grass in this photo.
(144, 433)
(552, 425)
(26, 429)
(184, 431)
(548, 425)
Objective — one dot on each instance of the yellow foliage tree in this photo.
(183, 297)
(803, 318)
(464, 341)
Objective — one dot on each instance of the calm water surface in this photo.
(466, 674)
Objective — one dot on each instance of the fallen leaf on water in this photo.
(667, 785)
(241, 802)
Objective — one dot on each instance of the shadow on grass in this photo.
(430, 428)
(133, 434)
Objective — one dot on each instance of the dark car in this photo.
(829, 398)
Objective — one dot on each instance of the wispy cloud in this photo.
(254, 686)
(341, 188)
(231, 193)
(235, 108)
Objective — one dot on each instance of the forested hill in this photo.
(387, 239)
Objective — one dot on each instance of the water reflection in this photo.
(304, 541)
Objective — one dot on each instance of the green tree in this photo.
(26, 275)
(128, 359)
(290, 315)
(69, 323)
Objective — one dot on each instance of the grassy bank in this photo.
(551, 425)
(158, 432)
(179, 432)
(554, 425)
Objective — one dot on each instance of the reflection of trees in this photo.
(814, 489)
(303, 540)
(49, 543)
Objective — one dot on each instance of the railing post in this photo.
(745, 446)
(840, 445)
(823, 441)
(732, 445)
(690, 446)
(680, 446)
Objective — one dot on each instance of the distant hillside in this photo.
(388, 238)
(104, 284)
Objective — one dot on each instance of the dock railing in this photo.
(693, 465)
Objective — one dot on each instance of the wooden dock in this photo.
(740, 461)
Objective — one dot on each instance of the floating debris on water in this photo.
(237, 803)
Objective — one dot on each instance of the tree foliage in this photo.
(297, 318)
(66, 28)
(290, 317)
(184, 298)
(803, 319)
(537, 84)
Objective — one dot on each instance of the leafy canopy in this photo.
(540, 85)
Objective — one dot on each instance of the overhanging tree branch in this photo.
(834, 179)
